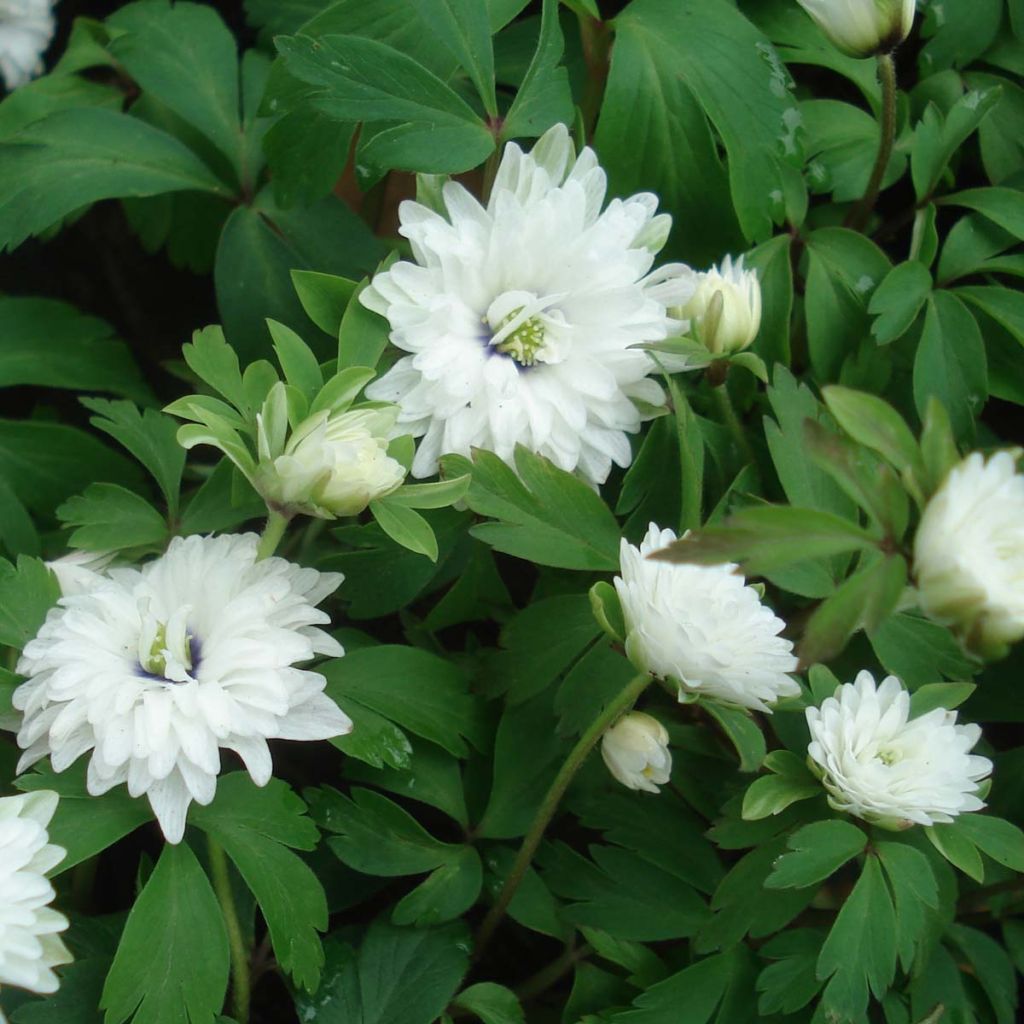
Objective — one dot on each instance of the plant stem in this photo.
(549, 805)
(272, 534)
(887, 76)
(239, 953)
(732, 421)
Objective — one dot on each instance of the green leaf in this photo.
(363, 334)
(860, 951)
(1002, 206)
(958, 848)
(539, 643)
(76, 157)
(766, 537)
(373, 739)
(737, 78)
(992, 968)
(464, 26)
(27, 592)
(545, 514)
(324, 297)
(262, 244)
(300, 366)
(950, 363)
(919, 651)
(431, 776)
(1001, 840)
(83, 824)
(898, 299)
(405, 526)
(447, 893)
(172, 961)
(493, 1004)
(607, 609)
(623, 894)
(937, 137)
(528, 751)
(877, 425)
(433, 495)
(398, 976)
(50, 344)
(939, 695)
(184, 56)
(544, 97)
(864, 600)
(256, 826)
(109, 518)
(44, 463)
(149, 436)
(362, 79)
(914, 893)
(819, 850)
(743, 732)
(688, 997)
(842, 142)
(844, 268)
(415, 689)
(772, 794)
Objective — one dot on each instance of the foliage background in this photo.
(637, 914)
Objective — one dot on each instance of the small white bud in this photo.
(636, 752)
(725, 309)
(969, 553)
(863, 28)
(334, 465)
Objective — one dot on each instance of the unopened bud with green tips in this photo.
(863, 28)
(724, 310)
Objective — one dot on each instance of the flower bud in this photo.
(725, 308)
(863, 28)
(636, 752)
(333, 465)
(969, 553)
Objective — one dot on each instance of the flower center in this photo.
(889, 757)
(167, 651)
(525, 341)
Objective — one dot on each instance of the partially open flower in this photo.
(862, 28)
(333, 465)
(703, 628)
(636, 752)
(30, 946)
(880, 765)
(969, 553)
(155, 669)
(725, 309)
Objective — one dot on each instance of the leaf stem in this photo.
(272, 534)
(549, 805)
(732, 421)
(240, 987)
(887, 76)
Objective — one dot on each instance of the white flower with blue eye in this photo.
(519, 317)
(155, 669)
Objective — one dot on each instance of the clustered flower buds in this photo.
(725, 309)
(333, 465)
(969, 553)
(863, 28)
(636, 752)
(879, 764)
